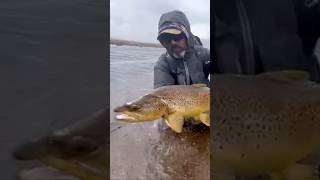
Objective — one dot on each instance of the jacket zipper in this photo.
(187, 80)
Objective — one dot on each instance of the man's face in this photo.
(176, 43)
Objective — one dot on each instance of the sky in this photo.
(137, 20)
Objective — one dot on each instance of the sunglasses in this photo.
(167, 38)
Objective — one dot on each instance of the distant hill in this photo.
(120, 42)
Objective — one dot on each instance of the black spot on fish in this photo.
(254, 110)
(263, 136)
(221, 147)
(309, 106)
(258, 136)
(239, 134)
(242, 155)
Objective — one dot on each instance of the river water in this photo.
(131, 72)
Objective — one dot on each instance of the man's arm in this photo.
(206, 62)
(162, 76)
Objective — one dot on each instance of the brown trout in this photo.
(264, 124)
(172, 103)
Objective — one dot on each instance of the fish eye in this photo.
(81, 144)
(134, 107)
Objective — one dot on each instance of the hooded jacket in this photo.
(254, 37)
(192, 68)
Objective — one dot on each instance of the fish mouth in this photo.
(126, 118)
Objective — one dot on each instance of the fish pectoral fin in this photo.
(175, 122)
(72, 168)
(205, 118)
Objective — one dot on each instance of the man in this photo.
(186, 61)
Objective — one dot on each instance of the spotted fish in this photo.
(264, 124)
(173, 103)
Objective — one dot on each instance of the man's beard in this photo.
(178, 55)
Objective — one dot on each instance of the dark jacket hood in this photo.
(180, 18)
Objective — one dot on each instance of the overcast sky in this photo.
(138, 19)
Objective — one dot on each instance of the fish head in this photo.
(55, 145)
(146, 108)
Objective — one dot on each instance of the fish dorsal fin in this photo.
(199, 85)
(287, 75)
(151, 95)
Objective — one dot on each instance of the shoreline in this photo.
(119, 42)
